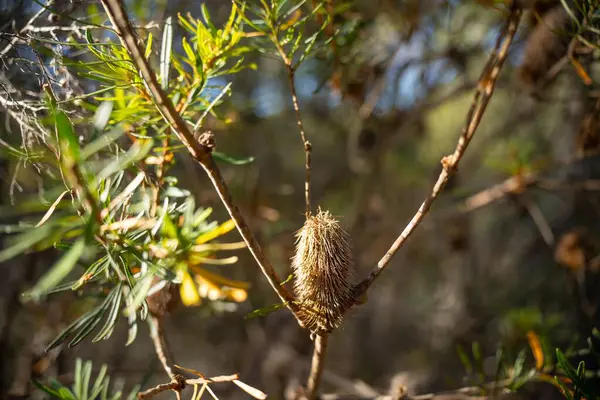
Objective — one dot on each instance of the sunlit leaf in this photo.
(68, 143)
(214, 233)
(165, 53)
(51, 209)
(263, 312)
(149, 41)
(536, 349)
(188, 290)
(137, 152)
(102, 115)
(103, 141)
(195, 259)
(581, 72)
(252, 391)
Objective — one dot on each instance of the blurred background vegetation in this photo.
(504, 270)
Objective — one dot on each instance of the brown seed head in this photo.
(546, 45)
(322, 268)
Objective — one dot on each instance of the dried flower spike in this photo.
(322, 268)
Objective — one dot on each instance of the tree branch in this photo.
(161, 346)
(316, 368)
(199, 149)
(305, 142)
(485, 90)
(179, 385)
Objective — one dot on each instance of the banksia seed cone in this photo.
(322, 268)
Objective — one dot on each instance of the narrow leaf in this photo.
(165, 53)
(102, 115)
(68, 143)
(25, 241)
(263, 312)
(252, 391)
(100, 143)
(60, 270)
(230, 160)
(51, 209)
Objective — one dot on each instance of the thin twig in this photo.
(291, 71)
(179, 385)
(161, 346)
(199, 149)
(485, 89)
(316, 368)
(76, 28)
(305, 142)
(15, 39)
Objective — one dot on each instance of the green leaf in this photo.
(68, 143)
(293, 9)
(94, 270)
(138, 151)
(165, 53)
(25, 241)
(565, 390)
(148, 50)
(518, 366)
(139, 293)
(288, 279)
(90, 324)
(60, 392)
(466, 362)
(111, 320)
(207, 20)
(85, 379)
(99, 383)
(60, 270)
(230, 160)
(263, 312)
(131, 317)
(201, 215)
(579, 383)
(169, 229)
(78, 323)
(211, 105)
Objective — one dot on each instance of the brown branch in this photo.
(161, 346)
(179, 385)
(306, 143)
(485, 89)
(316, 368)
(199, 149)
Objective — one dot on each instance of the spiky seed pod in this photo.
(547, 43)
(322, 267)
